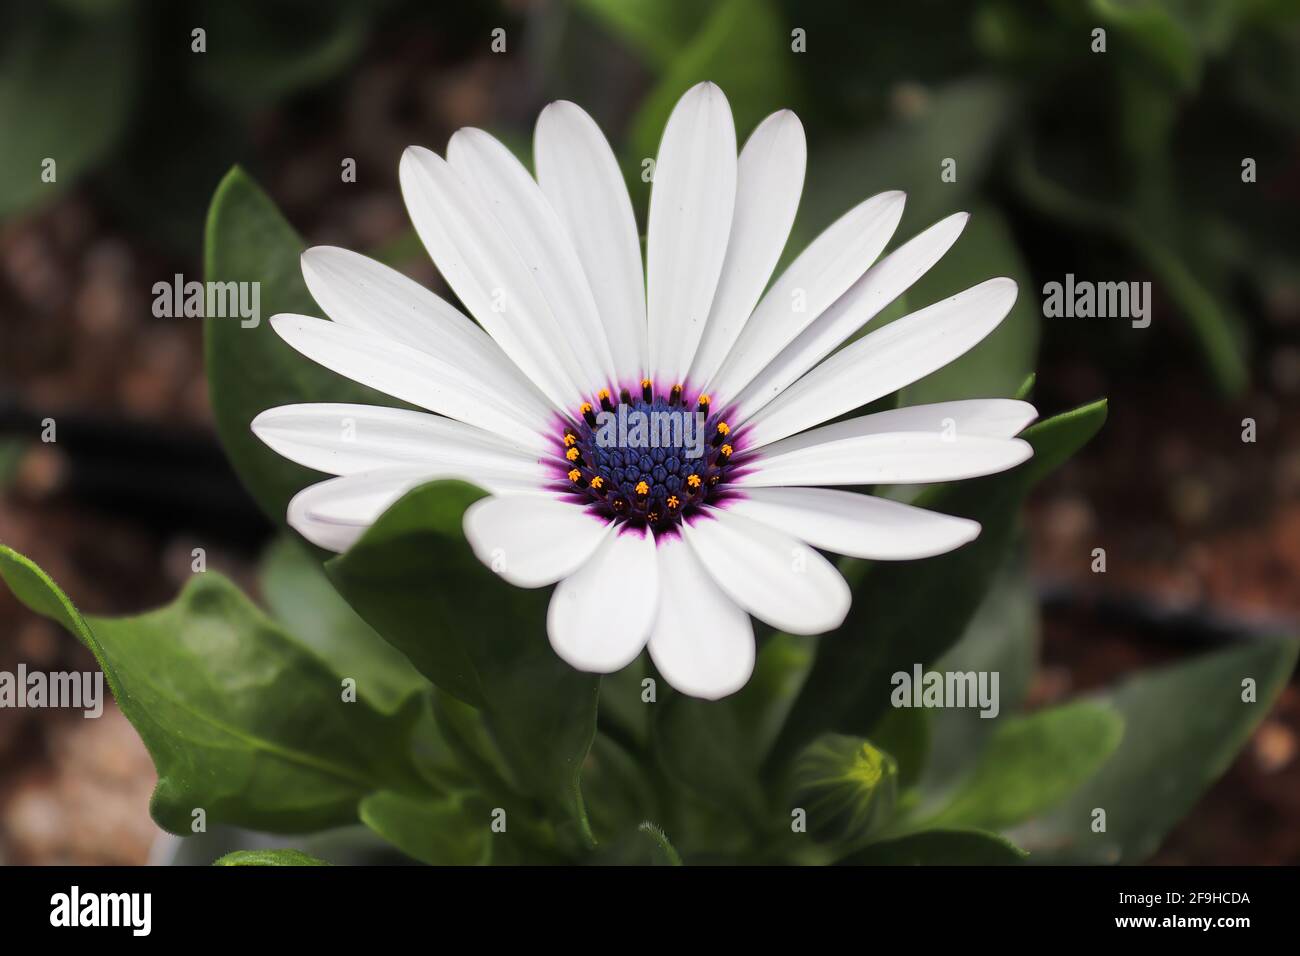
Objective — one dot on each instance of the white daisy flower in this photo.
(672, 543)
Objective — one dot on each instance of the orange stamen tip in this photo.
(726, 451)
(673, 501)
(603, 393)
(575, 474)
(642, 488)
(724, 428)
(584, 408)
(570, 441)
(704, 399)
(572, 454)
(598, 482)
(693, 481)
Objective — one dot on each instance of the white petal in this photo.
(988, 417)
(702, 641)
(331, 535)
(526, 217)
(531, 540)
(774, 576)
(885, 360)
(481, 265)
(411, 375)
(580, 176)
(364, 294)
(333, 514)
(821, 274)
(769, 181)
(691, 204)
(861, 526)
(868, 297)
(600, 616)
(892, 458)
(345, 439)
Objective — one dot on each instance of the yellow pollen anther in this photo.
(642, 488)
(693, 481)
(598, 482)
(673, 501)
(570, 441)
(572, 454)
(724, 428)
(574, 475)
(584, 408)
(725, 451)
(603, 394)
(645, 383)
(704, 400)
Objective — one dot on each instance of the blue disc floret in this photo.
(650, 459)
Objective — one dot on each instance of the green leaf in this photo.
(66, 83)
(1033, 763)
(1002, 636)
(704, 746)
(940, 848)
(745, 49)
(449, 831)
(846, 785)
(1176, 36)
(467, 824)
(300, 596)
(646, 845)
(269, 858)
(1156, 34)
(241, 720)
(1026, 388)
(656, 29)
(622, 712)
(911, 612)
(415, 580)
(255, 57)
(252, 369)
(716, 748)
(470, 743)
(617, 788)
(1185, 724)
(433, 752)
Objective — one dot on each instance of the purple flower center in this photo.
(648, 459)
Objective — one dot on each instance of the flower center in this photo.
(647, 459)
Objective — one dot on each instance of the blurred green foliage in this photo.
(1128, 162)
(120, 92)
(1117, 165)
